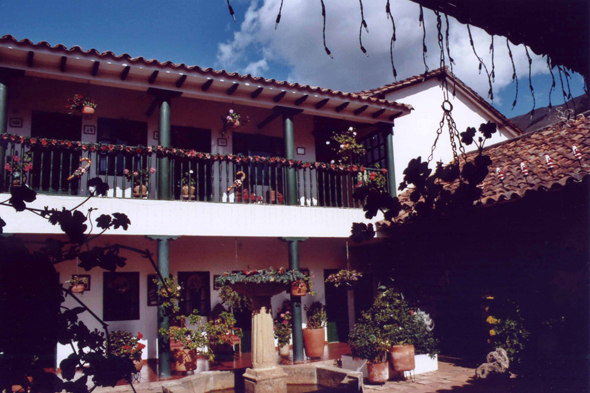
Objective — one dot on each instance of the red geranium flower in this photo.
(139, 335)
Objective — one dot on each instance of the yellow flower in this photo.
(492, 332)
(491, 320)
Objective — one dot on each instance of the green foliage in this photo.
(346, 146)
(187, 180)
(280, 276)
(222, 327)
(125, 344)
(283, 324)
(316, 315)
(233, 300)
(390, 321)
(507, 329)
(344, 277)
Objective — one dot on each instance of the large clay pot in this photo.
(185, 192)
(185, 359)
(80, 288)
(378, 372)
(401, 358)
(136, 191)
(298, 288)
(20, 388)
(19, 180)
(284, 350)
(88, 110)
(313, 339)
(236, 124)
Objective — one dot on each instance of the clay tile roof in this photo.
(556, 141)
(453, 81)
(207, 72)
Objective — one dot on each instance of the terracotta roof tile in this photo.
(209, 72)
(556, 141)
(452, 79)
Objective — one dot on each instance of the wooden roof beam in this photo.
(125, 72)
(342, 106)
(256, 93)
(266, 121)
(360, 110)
(30, 57)
(207, 85)
(279, 96)
(153, 77)
(322, 103)
(95, 66)
(180, 81)
(378, 113)
(62, 63)
(232, 89)
(301, 99)
(152, 107)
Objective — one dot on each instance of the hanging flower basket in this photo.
(345, 277)
(231, 121)
(80, 103)
(265, 281)
(299, 288)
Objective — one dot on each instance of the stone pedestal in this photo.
(265, 376)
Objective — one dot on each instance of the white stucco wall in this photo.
(414, 135)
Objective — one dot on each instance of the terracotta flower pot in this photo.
(185, 192)
(80, 288)
(20, 388)
(236, 124)
(298, 288)
(313, 339)
(402, 358)
(136, 191)
(185, 359)
(87, 110)
(378, 372)
(284, 350)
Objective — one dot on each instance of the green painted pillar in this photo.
(387, 130)
(296, 300)
(164, 358)
(290, 154)
(3, 120)
(164, 141)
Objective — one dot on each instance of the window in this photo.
(376, 151)
(120, 132)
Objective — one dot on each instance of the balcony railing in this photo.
(46, 164)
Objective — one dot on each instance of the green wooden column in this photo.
(387, 132)
(164, 358)
(289, 155)
(296, 300)
(3, 120)
(164, 141)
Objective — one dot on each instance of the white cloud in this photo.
(256, 68)
(297, 43)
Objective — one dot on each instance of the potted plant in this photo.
(18, 168)
(125, 344)
(186, 342)
(344, 277)
(85, 105)
(187, 183)
(232, 120)
(314, 334)
(223, 333)
(368, 340)
(140, 180)
(283, 328)
(77, 284)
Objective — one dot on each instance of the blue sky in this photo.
(201, 32)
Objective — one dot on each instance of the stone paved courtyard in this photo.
(452, 377)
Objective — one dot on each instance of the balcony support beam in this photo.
(164, 358)
(387, 132)
(296, 300)
(3, 120)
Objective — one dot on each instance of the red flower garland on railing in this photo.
(105, 148)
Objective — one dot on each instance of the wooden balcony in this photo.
(46, 166)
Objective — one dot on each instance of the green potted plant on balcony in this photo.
(125, 344)
(232, 120)
(140, 179)
(315, 333)
(85, 105)
(18, 168)
(187, 184)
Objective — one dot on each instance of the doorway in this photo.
(198, 139)
(197, 292)
(336, 309)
